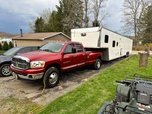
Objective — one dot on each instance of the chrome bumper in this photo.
(28, 76)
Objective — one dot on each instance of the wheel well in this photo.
(56, 65)
(99, 57)
(127, 54)
(5, 63)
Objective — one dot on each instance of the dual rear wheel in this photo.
(97, 64)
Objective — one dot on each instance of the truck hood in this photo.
(39, 55)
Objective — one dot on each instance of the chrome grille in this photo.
(19, 63)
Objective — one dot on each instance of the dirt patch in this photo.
(31, 93)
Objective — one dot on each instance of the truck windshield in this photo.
(53, 47)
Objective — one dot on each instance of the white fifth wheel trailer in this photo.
(112, 44)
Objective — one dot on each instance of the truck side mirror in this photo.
(73, 50)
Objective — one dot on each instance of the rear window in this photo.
(79, 48)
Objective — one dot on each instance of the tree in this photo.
(86, 12)
(146, 25)
(10, 45)
(0, 46)
(72, 14)
(133, 11)
(39, 25)
(5, 46)
(54, 23)
(97, 7)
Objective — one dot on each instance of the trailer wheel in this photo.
(51, 77)
(127, 54)
(97, 64)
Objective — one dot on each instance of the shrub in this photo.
(10, 45)
(5, 46)
(143, 47)
(0, 46)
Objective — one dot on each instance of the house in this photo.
(5, 37)
(38, 39)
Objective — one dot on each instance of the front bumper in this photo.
(30, 74)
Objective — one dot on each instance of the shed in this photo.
(38, 39)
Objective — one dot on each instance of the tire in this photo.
(127, 54)
(5, 70)
(51, 77)
(97, 64)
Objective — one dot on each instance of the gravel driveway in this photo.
(33, 90)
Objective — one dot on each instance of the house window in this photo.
(113, 43)
(106, 38)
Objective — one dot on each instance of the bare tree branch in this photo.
(133, 11)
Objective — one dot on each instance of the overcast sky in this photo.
(16, 14)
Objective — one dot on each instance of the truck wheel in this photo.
(5, 70)
(51, 77)
(127, 54)
(97, 64)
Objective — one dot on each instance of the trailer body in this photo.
(112, 44)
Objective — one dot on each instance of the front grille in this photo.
(19, 63)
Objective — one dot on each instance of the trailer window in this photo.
(113, 43)
(83, 34)
(117, 43)
(106, 38)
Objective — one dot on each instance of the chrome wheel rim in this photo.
(6, 70)
(53, 78)
(98, 64)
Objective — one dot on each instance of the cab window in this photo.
(79, 48)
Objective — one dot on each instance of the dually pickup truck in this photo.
(51, 60)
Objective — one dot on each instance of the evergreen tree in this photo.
(5, 46)
(10, 45)
(39, 25)
(54, 23)
(71, 12)
(0, 46)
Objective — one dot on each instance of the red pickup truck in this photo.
(51, 60)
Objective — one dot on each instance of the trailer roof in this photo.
(94, 29)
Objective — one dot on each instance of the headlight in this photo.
(37, 64)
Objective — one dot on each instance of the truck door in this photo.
(80, 58)
(68, 58)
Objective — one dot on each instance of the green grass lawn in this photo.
(2, 51)
(89, 97)
(13, 105)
